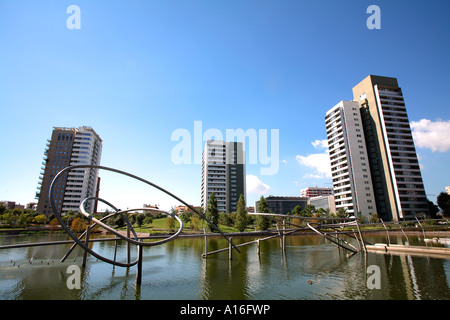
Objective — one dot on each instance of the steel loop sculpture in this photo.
(135, 240)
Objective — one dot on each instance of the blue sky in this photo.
(137, 71)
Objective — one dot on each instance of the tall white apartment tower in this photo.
(352, 182)
(223, 172)
(67, 147)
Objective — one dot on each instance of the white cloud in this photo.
(434, 135)
(320, 144)
(255, 185)
(320, 162)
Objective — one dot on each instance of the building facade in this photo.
(284, 205)
(316, 191)
(223, 173)
(352, 182)
(324, 202)
(397, 180)
(67, 147)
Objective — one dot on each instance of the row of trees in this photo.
(239, 219)
(20, 218)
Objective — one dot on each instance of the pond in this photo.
(311, 268)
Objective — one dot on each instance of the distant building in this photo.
(284, 205)
(181, 208)
(324, 202)
(9, 204)
(12, 205)
(447, 190)
(31, 205)
(150, 209)
(223, 172)
(67, 147)
(316, 191)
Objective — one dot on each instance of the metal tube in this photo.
(360, 236)
(389, 239)
(86, 241)
(423, 231)
(206, 244)
(139, 266)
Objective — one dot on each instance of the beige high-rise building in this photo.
(69, 146)
(396, 177)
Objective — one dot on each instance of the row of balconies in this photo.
(410, 185)
(338, 157)
(342, 178)
(337, 151)
(334, 127)
(339, 172)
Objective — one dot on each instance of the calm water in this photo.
(311, 268)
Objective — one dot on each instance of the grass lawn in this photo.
(161, 226)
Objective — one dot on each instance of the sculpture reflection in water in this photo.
(134, 240)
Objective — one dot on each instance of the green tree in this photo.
(118, 221)
(186, 216)
(171, 223)
(40, 219)
(147, 220)
(25, 219)
(225, 219)
(341, 213)
(132, 218)
(262, 222)
(309, 210)
(139, 219)
(434, 209)
(3, 209)
(321, 212)
(443, 201)
(196, 222)
(212, 213)
(297, 211)
(374, 218)
(78, 225)
(241, 215)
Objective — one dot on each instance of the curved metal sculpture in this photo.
(340, 242)
(135, 240)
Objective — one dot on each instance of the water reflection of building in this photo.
(410, 277)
